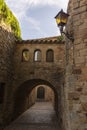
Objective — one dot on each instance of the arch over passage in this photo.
(23, 92)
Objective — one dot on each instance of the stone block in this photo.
(84, 106)
(77, 108)
(74, 96)
(83, 98)
(84, 70)
(79, 46)
(80, 60)
(79, 10)
(76, 70)
(83, 52)
(76, 18)
(82, 118)
(79, 88)
(84, 91)
(76, 5)
(85, 41)
(82, 2)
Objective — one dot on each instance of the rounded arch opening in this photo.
(37, 55)
(25, 55)
(25, 89)
(50, 55)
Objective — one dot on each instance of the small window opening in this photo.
(37, 55)
(25, 55)
(50, 56)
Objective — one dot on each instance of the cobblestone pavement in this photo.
(40, 116)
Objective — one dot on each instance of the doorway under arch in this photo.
(24, 90)
(41, 92)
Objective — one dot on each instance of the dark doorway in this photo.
(2, 88)
(41, 93)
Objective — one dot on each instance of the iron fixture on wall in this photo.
(61, 20)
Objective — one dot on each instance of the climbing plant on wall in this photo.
(7, 17)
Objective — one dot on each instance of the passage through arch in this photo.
(23, 96)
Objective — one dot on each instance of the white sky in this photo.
(36, 17)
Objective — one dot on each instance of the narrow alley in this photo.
(40, 116)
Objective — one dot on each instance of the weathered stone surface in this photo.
(77, 107)
(77, 23)
(84, 106)
(83, 98)
(76, 71)
(73, 96)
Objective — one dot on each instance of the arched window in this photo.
(37, 55)
(25, 55)
(41, 93)
(50, 55)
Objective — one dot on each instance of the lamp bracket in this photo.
(69, 36)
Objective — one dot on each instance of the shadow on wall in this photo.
(7, 49)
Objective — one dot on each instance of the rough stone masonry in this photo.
(76, 70)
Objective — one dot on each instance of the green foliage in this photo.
(60, 38)
(7, 16)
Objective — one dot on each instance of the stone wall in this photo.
(29, 70)
(7, 45)
(75, 89)
(29, 74)
(31, 98)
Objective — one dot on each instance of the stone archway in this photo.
(24, 90)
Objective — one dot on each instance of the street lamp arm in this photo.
(69, 36)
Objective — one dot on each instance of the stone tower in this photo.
(76, 69)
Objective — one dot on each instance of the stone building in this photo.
(28, 65)
(25, 67)
(35, 64)
(76, 69)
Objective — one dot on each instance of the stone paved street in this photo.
(40, 116)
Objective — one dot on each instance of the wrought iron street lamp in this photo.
(61, 20)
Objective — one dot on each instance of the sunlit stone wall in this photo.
(76, 70)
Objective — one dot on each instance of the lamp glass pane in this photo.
(59, 21)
